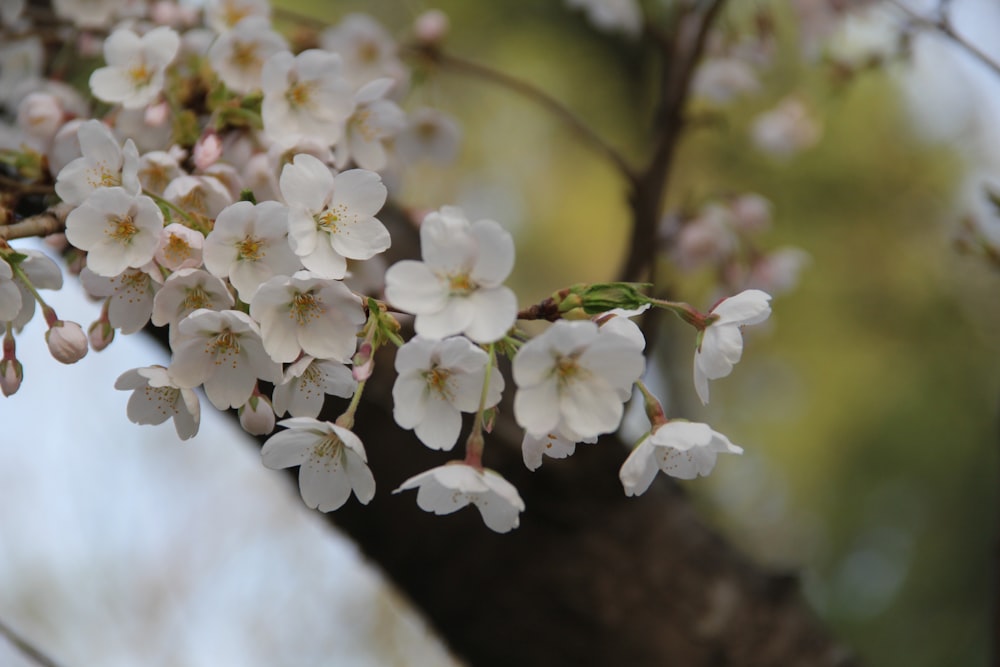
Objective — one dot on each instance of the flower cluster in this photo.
(232, 193)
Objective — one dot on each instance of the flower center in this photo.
(361, 122)
(226, 344)
(305, 307)
(460, 284)
(165, 399)
(251, 248)
(568, 368)
(328, 221)
(233, 13)
(122, 228)
(140, 75)
(245, 55)
(299, 94)
(195, 298)
(368, 51)
(177, 249)
(437, 380)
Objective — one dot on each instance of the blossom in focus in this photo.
(306, 313)
(332, 462)
(332, 218)
(223, 351)
(157, 398)
(451, 487)
(437, 381)
(303, 390)
(573, 378)
(131, 295)
(249, 245)
(67, 341)
(305, 97)
(679, 448)
(134, 74)
(103, 164)
(534, 448)
(117, 229)
(186, 291)
(179, 247)
(720, 345)
(257, 415)
(458, 287)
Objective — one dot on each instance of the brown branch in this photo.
(14, 185)
(51, 221)
(25, 647)
(944, 26)
(564, 114)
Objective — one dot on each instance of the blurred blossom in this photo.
(786, 129)
(722, 80)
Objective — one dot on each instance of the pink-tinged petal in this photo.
(456, 316)
(306, 183)
(280, 341)
(495, 311)
(412, 287)
(441, 424)
(361, 240)
(639, 469)
(536, 408)
(496, 253)
(409, 400)
(287, 449)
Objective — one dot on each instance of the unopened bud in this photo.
(207, 150)
(66, 341)
(363, 362)
(257, 416)
(431, 27)
(11, 374)
(100, 334)
(599, 298)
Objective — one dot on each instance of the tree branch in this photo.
(25, 647)
(944, 26)
(51, 221)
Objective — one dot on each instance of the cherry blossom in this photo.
(307, 313)
(10, 295)
(332, 462)
(458, 288)
(451, 487)
(43, 273)
(156, 398)
(438, 380)
(23, 61)
(239, 54)
(67, 341)
(179, 247)
(118, 230)
(305, 97)
(257, 415)
(720, 345)
(249, 245)
(89, 14)
(679, 448)
(130, 295)
(374, 120)
(135, 72)
(223, 351)
(573, 378)
(186, 291)
(303, 390)
(367, 49)
(428, 135)
(198, 195)
(555, 446)
(221, 15)
(103, 164)
(332, 218)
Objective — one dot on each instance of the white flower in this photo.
(438, 380)
(720, 345)
(135, 72)
(221, 15)
(367, 49)
(332, 218)
(332, 462)
(306, 384)
(249, 245)
(103, 164)
(199, 195)
(157, 169)
(186, 291)
(553, 445)
(23, 61)
(117, 229)
(721, 80)
(223, 351)
(10, 295)
(429, 134)
(88, 13)
(306, 313)
(786, 129)
(458, 288)
(131, 296)
(239, 54)
(374, 120)
(451, 487)
(680, 449)
(67, 341)
(179, 247)
(156, 398)
(623, 16)
(43, 273)
(305, 97)
(573, 378)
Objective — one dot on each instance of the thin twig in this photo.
(944, 26)
(535, 95)
(13, 184)
(48, 222)
(26, 648)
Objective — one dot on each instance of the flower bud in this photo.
(257, 416)
(66, 341)
(431, 27)
(100, 334)
(11, 374)
(363, 362)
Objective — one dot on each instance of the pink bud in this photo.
(431, 27)
(207, 150)
(66, 341)
(364, 362)
(11, 374)
(156, 114)
(257, 416)
(101, 333)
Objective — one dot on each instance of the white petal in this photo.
(536, 408)
(412, 287)
(495, 311)
(496, 253)
(639, 469)
(441, 424)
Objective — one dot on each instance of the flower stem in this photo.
(476, 443)
(23, 277)
(347, 419)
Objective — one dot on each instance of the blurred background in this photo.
(867, 406)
